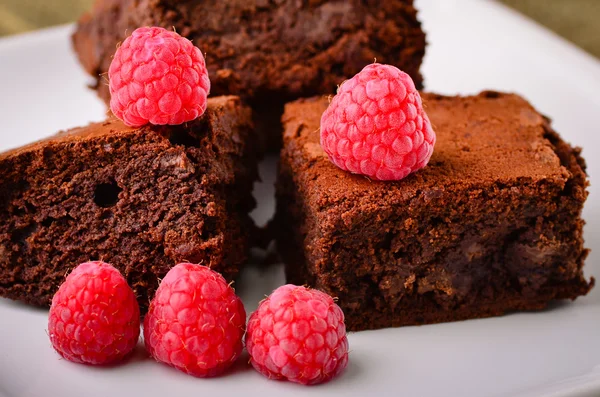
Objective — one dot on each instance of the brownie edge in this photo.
(492, 224)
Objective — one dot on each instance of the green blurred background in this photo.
(576, 20)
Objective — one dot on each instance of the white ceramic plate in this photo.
(474, 44)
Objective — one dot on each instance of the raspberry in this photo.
(157, 76)
(298, 334)
(94, 317)
(376, 125)
(195, 322)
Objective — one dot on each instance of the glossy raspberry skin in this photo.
(195, 322)
(94, 317)
(376, 125)
(157, 77)
(298, 334)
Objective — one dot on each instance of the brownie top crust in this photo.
(490, 138)
(219, 124)
(216, 108)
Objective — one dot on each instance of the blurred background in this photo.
(576, 20)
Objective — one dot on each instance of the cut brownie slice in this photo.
(266, 52)
(491, 225)
(142, 199)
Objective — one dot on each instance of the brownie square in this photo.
(268, 52)
(492, 224)
(142, 199)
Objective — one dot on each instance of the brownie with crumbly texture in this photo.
(142, 199)
(492, 224)
(268, 52)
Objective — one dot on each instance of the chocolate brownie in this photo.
(268, 52)
(142, 199)
(492, 224)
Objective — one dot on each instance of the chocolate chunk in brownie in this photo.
(142, 199)
(268, 52)
(492, 224)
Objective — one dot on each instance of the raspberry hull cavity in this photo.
(376, 125)
(298, 334)
(157, 77)
(94, 317)
(195, 322)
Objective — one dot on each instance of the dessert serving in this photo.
(492, 224)
(266, 52)
(394, 207)
(140, 198)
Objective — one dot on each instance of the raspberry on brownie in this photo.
(492, 224)
(157, 77)
(376, 126)
(142, 199)
(268, 52)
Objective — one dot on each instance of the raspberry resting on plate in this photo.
(376, 125)
(94, 317)
(195, 322)
(298, 334)
(157, 77)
